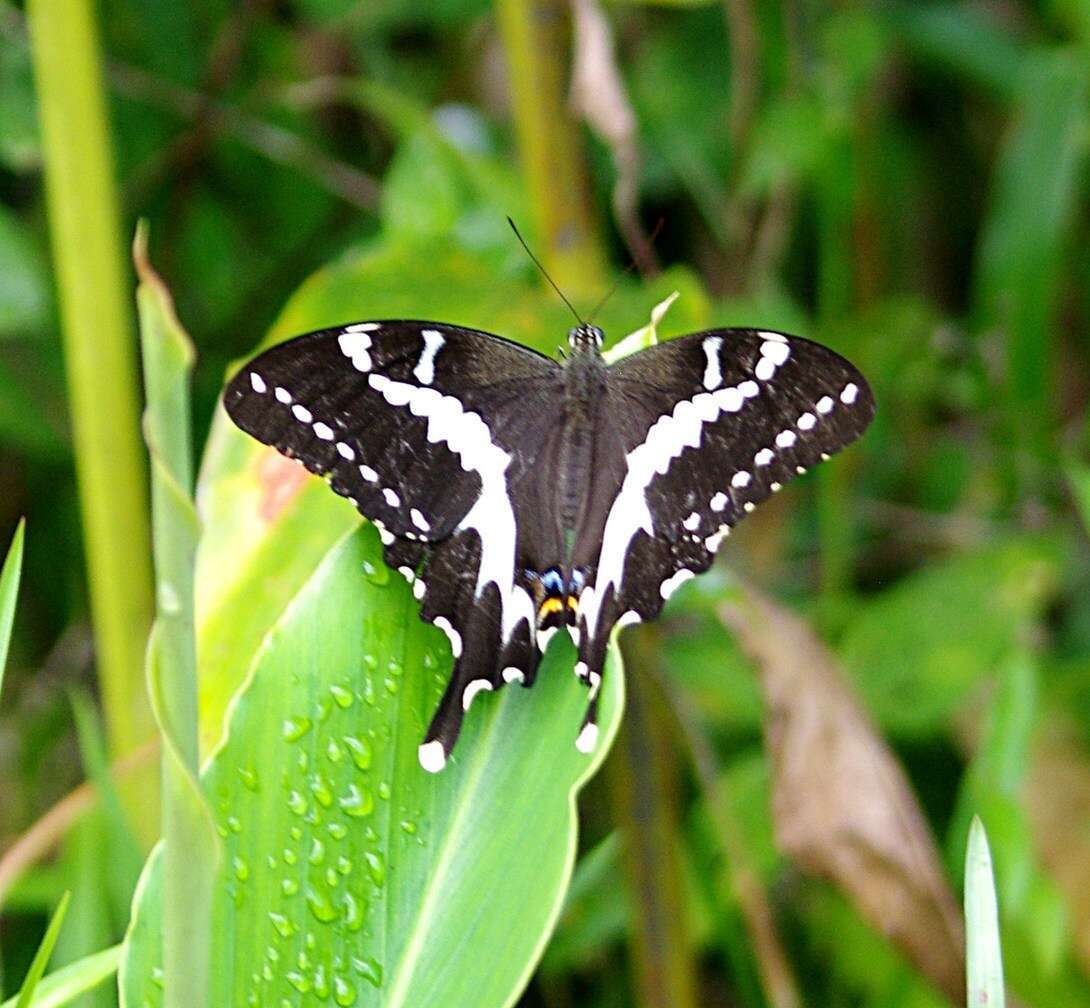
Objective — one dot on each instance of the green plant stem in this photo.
(552, 157)
(99, 355)
(644, 779)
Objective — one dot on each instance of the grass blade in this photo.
(63, 986)
(41, 957)
(9, 590)
(983, 959)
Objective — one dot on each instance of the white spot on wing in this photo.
(544, 636)
(282, 395)
(368, 474)
(749, 388)
(806, 421)
(453, 636)
(257, 383)
(419, 588)
(512, 674)
(419, 520)
(323, 431)
(692, 522)
(431, 756)
(719, 501)
(301, 413)
(588, 738)
(825, 404)
(630, 618)
(674, 582)
(776, 351)
(391, 497)
(765, 368)
(713, 376)
(425, 367)
(346, 451)
(786, 438)
(848, 396)
(740, 479)
(763, 457)
(355, 344)
(475, 687)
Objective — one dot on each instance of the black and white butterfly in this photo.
(519, 494)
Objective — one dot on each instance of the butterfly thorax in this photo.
(584, 381)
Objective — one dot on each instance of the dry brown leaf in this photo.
(841, 804)
(598, 95)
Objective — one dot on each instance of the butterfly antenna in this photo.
(628, 269)
(537, 263)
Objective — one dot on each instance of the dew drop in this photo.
(290, 857)
(242, 870)
(284, 927)
(297, 803)
(248, 778)
(376, 867)
(289, 886)
(331, 878)
(354, 910)
(317, 852)
(391, 684)
(358, 802)
(369, 691)
(234, 824)
(322, 790)
(344, 994)
(337, 830)
(325, 705)
(370, 969)
(344, 866)
(370, 661)
(320, 906)
(333, 751)
(408, 826)
(342, 696)
(384, 790)
(299, 981)
(294, 728)
(321, 984)
(360, 750)
(378, 574)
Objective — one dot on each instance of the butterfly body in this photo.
(519, 495)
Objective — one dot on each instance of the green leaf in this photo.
(23, 297)
(63, 986)
(984, 960)
(9, 590)
(351, 873)
(917, 649)
(189, 841)
(1024, 239)
(41, 957)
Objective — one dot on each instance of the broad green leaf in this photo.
(349, 872)
(41, 957)
(63, 986)
(9, 590)
(984, 960)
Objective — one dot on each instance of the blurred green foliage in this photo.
(905, 181)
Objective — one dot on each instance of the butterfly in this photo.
(520, 494)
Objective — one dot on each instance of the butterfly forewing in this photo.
(712, 424)
(428, 429)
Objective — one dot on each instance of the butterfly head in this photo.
(585, 337)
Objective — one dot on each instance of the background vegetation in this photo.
(893, 644)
